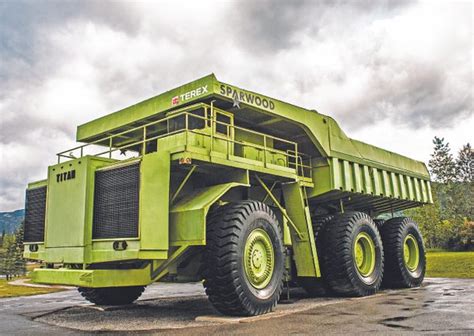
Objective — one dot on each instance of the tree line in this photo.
(449, 222)
(11, 254)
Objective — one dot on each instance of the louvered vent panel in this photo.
(35, 210)
(116, 198)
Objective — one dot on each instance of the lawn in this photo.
(7, 290)
(440, 264)
(450, 264)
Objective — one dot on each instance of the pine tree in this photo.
(465, 164)
(448, 222)
(12, 262)
(3, 238)
(19, 266)
(442, 164)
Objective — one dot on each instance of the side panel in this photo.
(69, 209)
(305, 254)
(352, 177)
(154, 201)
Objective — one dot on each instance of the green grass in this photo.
(450, 264)
(440, 264)
(7, 290)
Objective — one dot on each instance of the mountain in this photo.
(10, 221)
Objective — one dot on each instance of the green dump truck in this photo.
(209, 182)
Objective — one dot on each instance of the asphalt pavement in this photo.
(440, 306)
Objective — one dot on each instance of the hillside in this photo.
(10, 221)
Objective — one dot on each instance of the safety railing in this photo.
(137, 140)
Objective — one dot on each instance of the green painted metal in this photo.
(200, 126)
(259, 258)
(93, 278)
(411, 253)
(367, 179)
(68, 228)
(325, 132)
(304, 249)
(181, 185)
(154, 201)
(188, 215)
(297, 231)
(364, 254)
(37, 184)
(351, 166)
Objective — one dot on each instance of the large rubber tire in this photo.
(112, 296)
(317, 287)
(399, 237)
(379, 223)
(230, 232)
(341, 240)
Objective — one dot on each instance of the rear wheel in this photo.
(316, 287)
(244, 259)
(352, 257)
(405, 261)
(112, 295)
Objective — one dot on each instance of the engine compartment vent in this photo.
(35, 211)
(116, 202)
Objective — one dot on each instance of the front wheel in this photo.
(244, 260)
(112, 295)
(405, 261)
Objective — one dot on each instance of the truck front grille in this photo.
(35, 209)
(116, 202)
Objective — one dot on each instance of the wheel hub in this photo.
(411, 253)
(364, 254)
(259, 258)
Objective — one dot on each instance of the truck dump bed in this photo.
(364, 176)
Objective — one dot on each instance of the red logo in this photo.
(175, 100)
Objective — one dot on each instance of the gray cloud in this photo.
(270, 26)
(24, 28)
(422, 97)
(363, 62)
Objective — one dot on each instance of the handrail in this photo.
(294, 157)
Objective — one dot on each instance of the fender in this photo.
(188, 215)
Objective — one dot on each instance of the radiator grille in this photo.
(116, 198)
(35, 209)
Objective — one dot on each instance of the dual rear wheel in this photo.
(358, 256)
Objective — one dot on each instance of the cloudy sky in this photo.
(393, 73)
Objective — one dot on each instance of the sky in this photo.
(392, 73)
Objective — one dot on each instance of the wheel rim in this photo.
(364, 254)
(259, 258)
(411, 253)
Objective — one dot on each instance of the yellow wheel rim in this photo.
(259, 258)
(364, 254)
(411, 253)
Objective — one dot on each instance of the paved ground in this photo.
(441, 306)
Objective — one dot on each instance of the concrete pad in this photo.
(170, 313)
(440, 306)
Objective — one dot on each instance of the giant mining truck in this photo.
(246, 193)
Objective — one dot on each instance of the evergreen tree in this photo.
(19, 262)
(2, 239)
(448, 223)
(12, 262)
(465, 164)
(442, 164)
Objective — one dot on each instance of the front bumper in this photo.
(93, 278)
